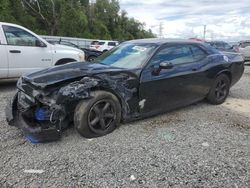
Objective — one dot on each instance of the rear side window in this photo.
(18, 37)
(227, 46)
(218, 45)
(94, 42)
(198, 53)
(111, 43)
(174, 54)
(211, 44)
(101, 43)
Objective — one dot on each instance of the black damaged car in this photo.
(137, 79)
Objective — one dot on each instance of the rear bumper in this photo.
(32, 131)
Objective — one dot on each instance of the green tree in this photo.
(5, 11)
(77, 25)
(75, 18)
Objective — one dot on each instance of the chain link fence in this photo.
(82, 42)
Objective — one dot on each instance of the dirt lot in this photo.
(198, 146)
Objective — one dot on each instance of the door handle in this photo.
(15, 51)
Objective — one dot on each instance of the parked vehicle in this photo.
(90, 54)
(140, 78)
(23, 51)
(244, 48)
(103, 45)
(223, 46)
(66, 43)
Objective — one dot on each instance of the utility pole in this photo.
(212, 35)
(92, 13)
(161, 30)
(205, 30)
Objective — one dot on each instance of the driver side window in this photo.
(19, 37)
(178, 54)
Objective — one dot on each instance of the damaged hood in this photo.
(66, 72)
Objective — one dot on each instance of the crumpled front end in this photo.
(37, 112)
(39, 122)
(42, 112)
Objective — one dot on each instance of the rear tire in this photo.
(97, 116)
(219, 90)
(91, 58)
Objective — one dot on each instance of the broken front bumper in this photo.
(32, 129)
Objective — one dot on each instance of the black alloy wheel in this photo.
(219, 90)
(97, 116)
(101, 115)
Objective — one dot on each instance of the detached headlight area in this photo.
(39, 122)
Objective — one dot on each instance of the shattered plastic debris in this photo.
(132, 178)
(205, 144)
(33, 171)
(168, 136)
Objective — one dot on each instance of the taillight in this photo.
(236, 49)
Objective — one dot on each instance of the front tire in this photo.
(97, 116)
(219, 90)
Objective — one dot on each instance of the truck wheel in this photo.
(219, 90)
(97, 116)
(91, 58)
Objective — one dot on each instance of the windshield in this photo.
(127, 55)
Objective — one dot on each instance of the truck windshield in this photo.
(127, 55)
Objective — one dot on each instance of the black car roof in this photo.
(216, 41)
(160, 41)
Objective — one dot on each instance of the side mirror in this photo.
(166, 65)
(40, 44)
(163, 65)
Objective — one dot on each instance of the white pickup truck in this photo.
(23, 51)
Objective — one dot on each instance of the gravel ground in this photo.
(197, 146)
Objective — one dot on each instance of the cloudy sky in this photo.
(224, 19)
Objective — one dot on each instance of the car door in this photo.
(4, 58)
(25, 52)
(180, 84)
